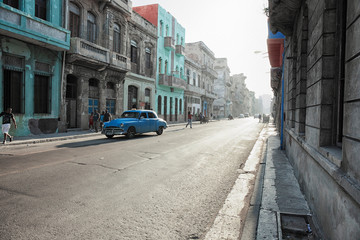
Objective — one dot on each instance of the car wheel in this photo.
(131, 133)
(160, 131)
(109, 136)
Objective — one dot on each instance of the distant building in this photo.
(318, 86)
(170, 73)
(32, 42)
(205, 75)
(222, 87)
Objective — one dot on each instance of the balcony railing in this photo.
(84, 51)
(22, 26)
(195, 89)
(210, 71)
(211, 95)
(124, 4)
(169, 43)
(179, 50)
(172, 81)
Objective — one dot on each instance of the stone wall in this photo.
(322, 109)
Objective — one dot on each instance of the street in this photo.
(151, 187)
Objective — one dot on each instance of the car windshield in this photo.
(130, 115)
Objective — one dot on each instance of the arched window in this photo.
(133, 51)
(166, 67)
(147, 58)
(159, 105)
(167, 31)
(74, 20)
(91, 27)
(93, 95)
(147, 98)
(160, 62)
(188, 76)
(161, 28)
(180, 107)
(132, 97)
(117, 38)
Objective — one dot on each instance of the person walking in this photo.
(102, 120)
(189, 120)
(91, 122)
(96, 120)
(6, 124)
(107, 116)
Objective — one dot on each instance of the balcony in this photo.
(125, 5)
(209, 71)
(195, 89)
(179, 50)
(94, 56)
(172, 81)
(169, 43)
(211, 95)
(17, 24)
(119, 61)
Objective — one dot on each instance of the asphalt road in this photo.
(150, 187)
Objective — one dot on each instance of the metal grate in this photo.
(43, 67)
(14, 61)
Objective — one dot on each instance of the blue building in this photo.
(170, 77)
(32, 42)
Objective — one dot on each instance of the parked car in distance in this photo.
(134, 122)
(241, 116)
(256, 115)
(246, 115)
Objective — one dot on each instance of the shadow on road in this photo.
(102, 140)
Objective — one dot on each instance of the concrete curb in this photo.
(67, 136)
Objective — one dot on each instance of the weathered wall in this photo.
(31, 54)
(327, 167)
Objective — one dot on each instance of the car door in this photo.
(144, 123)
(152, 122)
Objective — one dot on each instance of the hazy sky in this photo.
(232, 29)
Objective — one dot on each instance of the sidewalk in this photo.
(283, 210)
(71, 134)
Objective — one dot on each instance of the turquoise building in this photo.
(32, 45)
(170, 77)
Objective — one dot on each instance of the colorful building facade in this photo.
(32, 42)
(170, 69)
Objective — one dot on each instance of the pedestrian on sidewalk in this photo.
(6, 124)
(96, 120)
(107, 116)
(189, 120)
(91, 122)
(102, 120)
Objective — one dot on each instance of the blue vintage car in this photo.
(134, 122)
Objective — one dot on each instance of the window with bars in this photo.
(40, 9)
(91, 27)
(12, 3)
(161, 28)
(13, 90)
(74, 20)
(133, 51)
(117, 38)
(110, 105)
(147, 58)
(160, 62)
(42, 94)
(93, 105)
